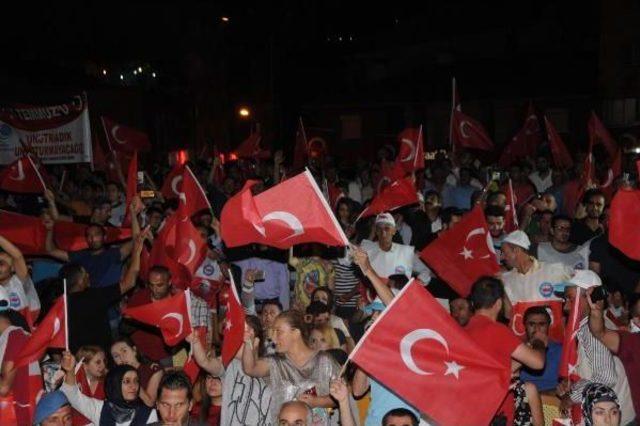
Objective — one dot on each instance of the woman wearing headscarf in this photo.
(122, 405)
(600, 406)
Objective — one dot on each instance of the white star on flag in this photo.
(453, 368)
(572, 369)
(468, 254)
(227, 326)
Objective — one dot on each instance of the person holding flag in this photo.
(593, 362)
(23, 383)
(238, 407)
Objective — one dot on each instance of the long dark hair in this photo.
(256, 325)
(205, 400)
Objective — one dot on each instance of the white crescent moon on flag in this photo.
(407, 342)
(174, 187)
(513, 326)
(177, 317)
(291, 220)
(114, 134)
(20, 175)
(192, 252)
(463, 132)
(56, 327)
(474, 232)
(412, 150)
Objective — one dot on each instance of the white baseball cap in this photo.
(585, 278)
(518, 238)
(385, 219)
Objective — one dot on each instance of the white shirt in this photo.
(537, 284)
(540, 183)
(118, 213)
(22, 295)
(91, 408)
(574, 259)
(401, 259)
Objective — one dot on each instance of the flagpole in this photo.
(453, 106)
(204, 194)
(66, 316)
(37, 172)
(415, 157)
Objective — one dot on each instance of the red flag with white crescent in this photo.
(292, 212)
(417, 350)
(411, 150)
(561, 156)
(22, 176)
(469, 133)
(124, 138)
(511, 214)
(525, 143)
(554, 309)
(463, 253)
(624, 217)
(569, 357)
(171, 315)
(233, 325)
(400, 193)
(50, 333)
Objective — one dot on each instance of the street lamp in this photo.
(244, 112)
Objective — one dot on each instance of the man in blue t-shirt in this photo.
(104, 264)
(536, 322)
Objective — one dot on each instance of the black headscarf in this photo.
(116, 409)
(596, 392)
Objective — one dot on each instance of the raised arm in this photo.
(19, 264)
(131, 275)
(50, 245)
(609, 338)
(51, 202)
(211, 365)
(89, 407)
(531, 356)
(361, 259)
(339, 392)
(134, 208)
(251, 364)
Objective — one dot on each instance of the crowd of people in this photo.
(308, 307)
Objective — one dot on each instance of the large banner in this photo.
(55, 134)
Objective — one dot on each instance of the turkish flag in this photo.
(191, 194)
(173, 182)
(171, 315)
(561, 157)
(418, 351)
(250, 147)
(464, 253)
(389, 173)
(624, 216)
(22, 176)
(598, 134)
(292, 212)
(411, 150)
(400, 193)
(525, 142)
(569, 356)
(50, 333)
(554, 308)
(510, 211)
(469, 133)
(233, 326)
(132, 188)
(123, 138)
(179, 247)
(191, 369)
(190, 249)
(26, 232)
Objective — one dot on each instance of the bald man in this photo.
(294, 413)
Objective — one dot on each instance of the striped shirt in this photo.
(346, 280)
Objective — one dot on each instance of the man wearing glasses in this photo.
(560, 249)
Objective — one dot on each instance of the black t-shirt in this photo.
(88, 321)
(581, 233)
(616, 270)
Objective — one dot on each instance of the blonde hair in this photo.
(329, 334)
(88, 352)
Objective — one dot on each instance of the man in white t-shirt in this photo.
(560, 249)
(388, 258)
(531, 283)
(15, 278)
(542, 177)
